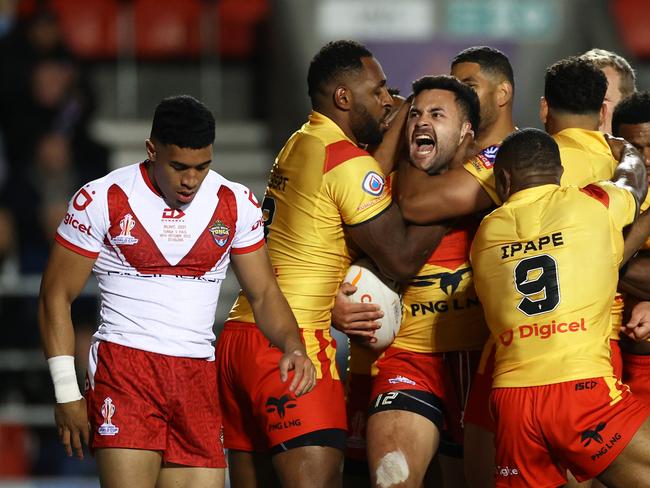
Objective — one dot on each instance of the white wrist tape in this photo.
(64, 378)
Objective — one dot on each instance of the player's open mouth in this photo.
(185, 197)
(424, 143)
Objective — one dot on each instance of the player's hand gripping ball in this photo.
(371, 288)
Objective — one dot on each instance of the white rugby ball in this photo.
(371, 288)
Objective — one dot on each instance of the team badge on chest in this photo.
(220, 233)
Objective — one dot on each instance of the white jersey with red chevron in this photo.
(160, 269)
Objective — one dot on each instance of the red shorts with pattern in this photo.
(143, 400)
(543, 431)
(477, 411)
(259, 412)
(636, 374)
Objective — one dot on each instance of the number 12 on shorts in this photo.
(386, 398)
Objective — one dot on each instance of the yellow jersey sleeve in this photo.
(620, 203)
(480, 167)
(354, 181)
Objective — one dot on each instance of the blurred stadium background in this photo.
(79, 80)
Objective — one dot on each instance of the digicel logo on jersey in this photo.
(543, 331)
(70, 219)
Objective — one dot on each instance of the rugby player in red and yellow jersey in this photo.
(412, 391)
(552, 255)
(459, 192)
(488, 72)
(631, 121)
(326, 196)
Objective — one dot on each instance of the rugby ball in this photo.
(372, 289)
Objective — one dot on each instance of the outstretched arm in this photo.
(424, 198)
(399, 250)
(64, 278)
(274, 317)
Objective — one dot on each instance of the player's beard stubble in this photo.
(365, 129)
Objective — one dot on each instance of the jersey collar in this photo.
(531, 194)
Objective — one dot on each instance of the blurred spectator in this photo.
(8, 246)
(7, 16)
(44, 88)
(45, 107)
(38, 197)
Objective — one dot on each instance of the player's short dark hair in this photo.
(634, 109)
(466, 98)
(334, 59)
(490, 60)
(575, 85)
(528, 148)
(183, 121)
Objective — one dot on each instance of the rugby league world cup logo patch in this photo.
(126, 226)
(220, 233)
(108, 410)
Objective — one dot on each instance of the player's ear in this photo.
(543, 110)
(342, 98)
(465, 130)
(151, 150)
(602, 115)
(504, 93)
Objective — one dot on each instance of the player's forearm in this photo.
(406, 251)
(55, 324)
(420, 199)
(275, 319)
(631, 173)
(636, 235)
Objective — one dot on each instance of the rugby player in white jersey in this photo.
(158, 236)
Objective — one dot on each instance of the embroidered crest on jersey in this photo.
(107, 411)
(127, 223)
(373, 183)
(220, 233)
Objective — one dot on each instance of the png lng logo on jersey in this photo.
(448, 281)
(373, 184)
(220, 233)
(126, 226)
(108, 410)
